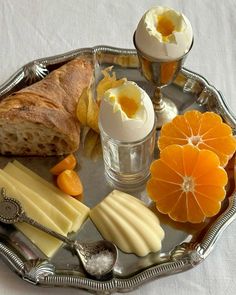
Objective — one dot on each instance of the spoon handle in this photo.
(25, 218)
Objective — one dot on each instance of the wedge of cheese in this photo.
(82, 210)
(46, 243)
(71, 208)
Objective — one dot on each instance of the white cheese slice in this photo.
(46, 243)
(82, 210)
(53, 213)
(58, 201)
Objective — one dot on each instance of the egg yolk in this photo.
(165, 26)
(128, 105)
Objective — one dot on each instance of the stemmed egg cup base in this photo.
(165, 109)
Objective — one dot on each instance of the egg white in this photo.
(114, 121)
(151, 42)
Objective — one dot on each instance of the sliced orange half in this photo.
(187, 183)
(204, 130)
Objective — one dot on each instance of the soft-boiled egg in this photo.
(126, 113)
(164, 33)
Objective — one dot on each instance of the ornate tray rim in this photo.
(184, 256)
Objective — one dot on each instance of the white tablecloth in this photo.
(30, 29)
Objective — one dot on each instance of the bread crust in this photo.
(50, 103)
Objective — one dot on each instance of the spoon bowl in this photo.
(98, 258)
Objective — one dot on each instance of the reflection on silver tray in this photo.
(184, 246)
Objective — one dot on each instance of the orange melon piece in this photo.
(187, 183)
(204, 130)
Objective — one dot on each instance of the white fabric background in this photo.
(31, 29)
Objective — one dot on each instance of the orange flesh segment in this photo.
(166, 172)
(187, 183)
(159, 189)
(67, 163)
(193, 119)
(174, 131)
(165, 207)
(69, 182)
(165, 26)
(195, 214)
(209, 121)
(128, 105)
(216, 176)
(217, 131)
(206, 162)
(179, 211)
(209, 207)
(176, 162)
(211, 192)
(181, 124)
(219, 144)
(190, 158)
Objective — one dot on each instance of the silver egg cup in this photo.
(161, 73)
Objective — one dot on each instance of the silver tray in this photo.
(184, 246)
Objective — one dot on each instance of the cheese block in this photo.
(61, 203)
(82, 210)
(55, 215)
(128, 223)
(46, 243)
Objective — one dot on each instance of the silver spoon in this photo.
(11, 212)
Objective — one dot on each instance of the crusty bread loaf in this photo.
(41, 119)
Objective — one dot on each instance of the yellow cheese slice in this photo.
(58, 201)
(46, 243)
(52, 212)
(82, 210)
